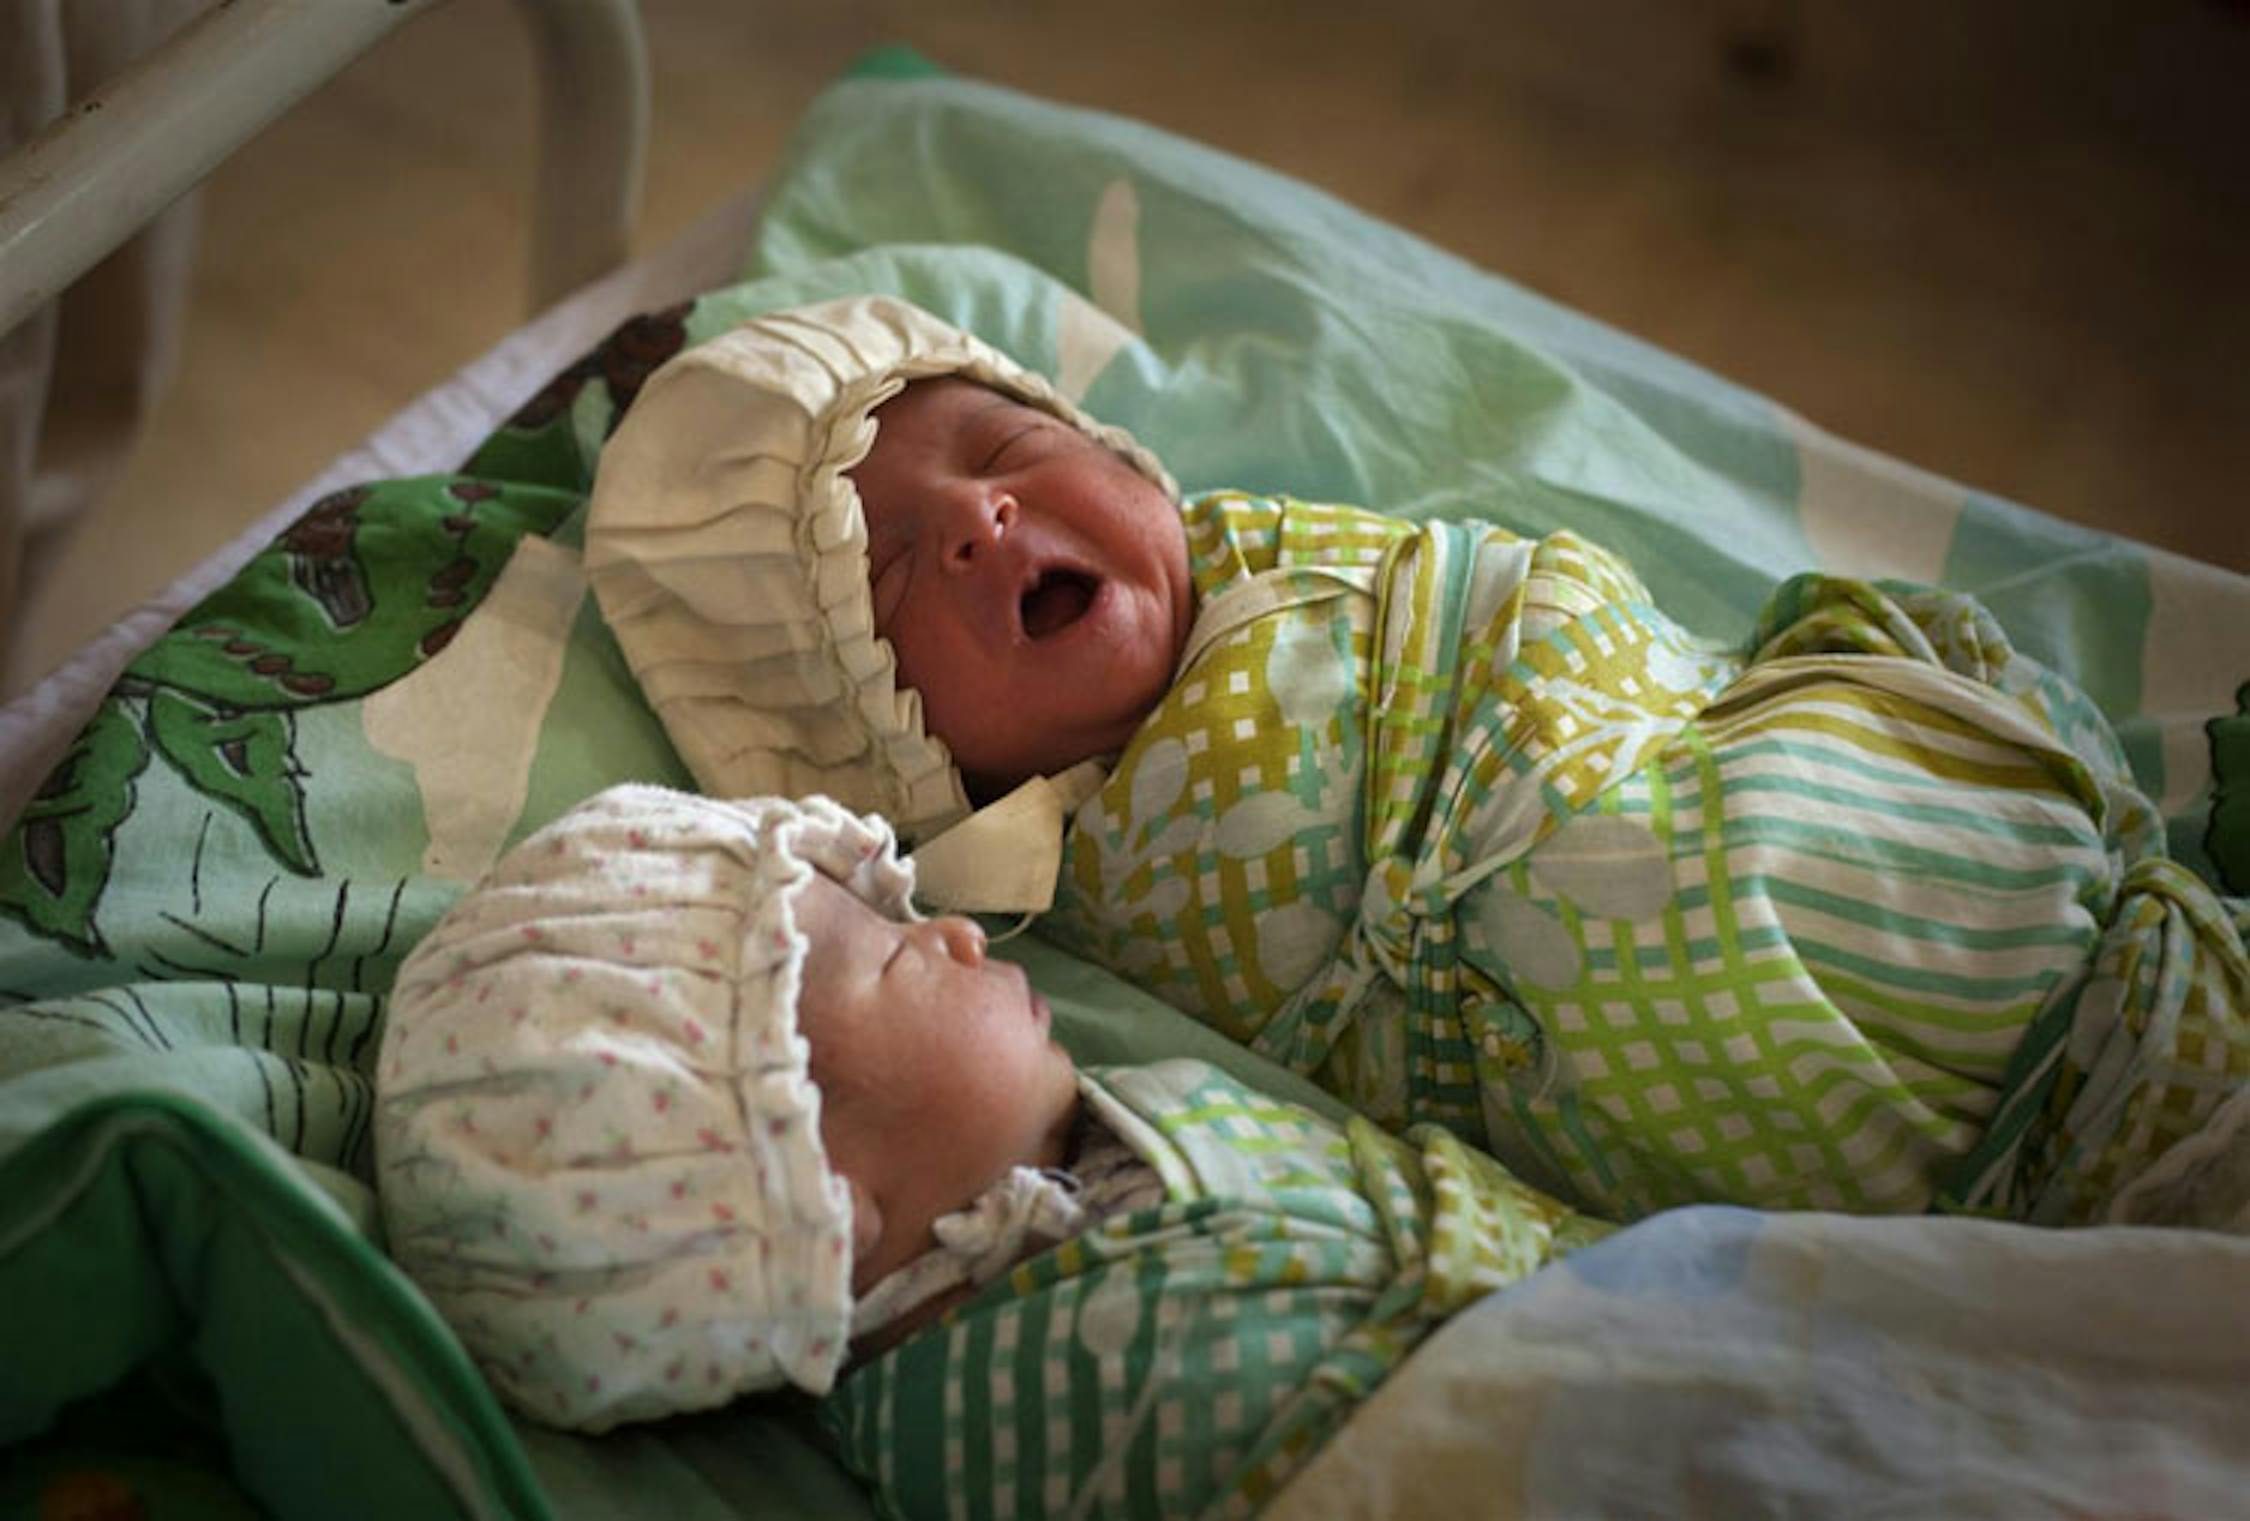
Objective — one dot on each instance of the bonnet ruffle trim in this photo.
(728, 551)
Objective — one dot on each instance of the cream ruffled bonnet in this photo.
(726, 545)
(598, 1144)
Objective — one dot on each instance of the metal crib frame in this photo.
(116, 158)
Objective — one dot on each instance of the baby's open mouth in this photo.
(1055, 600)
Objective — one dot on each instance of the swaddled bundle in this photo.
(1847, 916)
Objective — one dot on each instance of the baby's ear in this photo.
(867, 1223)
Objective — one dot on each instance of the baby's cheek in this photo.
(935, 659)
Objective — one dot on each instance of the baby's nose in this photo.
(975, 523)
(963, 939)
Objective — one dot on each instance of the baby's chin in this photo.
(1056, 1148)
(990, 772)
(989, 785)
(1118, 674)
(1061, 1138)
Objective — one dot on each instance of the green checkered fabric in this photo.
(1186, 1360)
(1846, 916)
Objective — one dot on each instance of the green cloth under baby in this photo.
(1864, 913)
(1185, 1360)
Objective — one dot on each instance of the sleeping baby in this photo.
(1861, 911)
(684, 1101)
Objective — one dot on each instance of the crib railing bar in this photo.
(81, 187)
(144, 138)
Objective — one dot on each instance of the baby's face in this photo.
(937, 1068)
(1033, 584)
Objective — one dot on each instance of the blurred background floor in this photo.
(2008, 241)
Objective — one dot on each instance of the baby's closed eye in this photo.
(1016, 444)
(1026, 438)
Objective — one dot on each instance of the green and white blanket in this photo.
(1186, 1360)
(1861, 912)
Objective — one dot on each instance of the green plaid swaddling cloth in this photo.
(1185, 1360)
(1863, 914)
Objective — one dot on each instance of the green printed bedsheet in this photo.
(201, 911)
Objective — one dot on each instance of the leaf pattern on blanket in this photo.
(623, 362)
(246, 760)
(371, 582)
(57, 860)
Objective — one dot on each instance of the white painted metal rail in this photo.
(79, 189)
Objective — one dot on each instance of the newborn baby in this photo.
(1861, 911)
(685, 1102)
